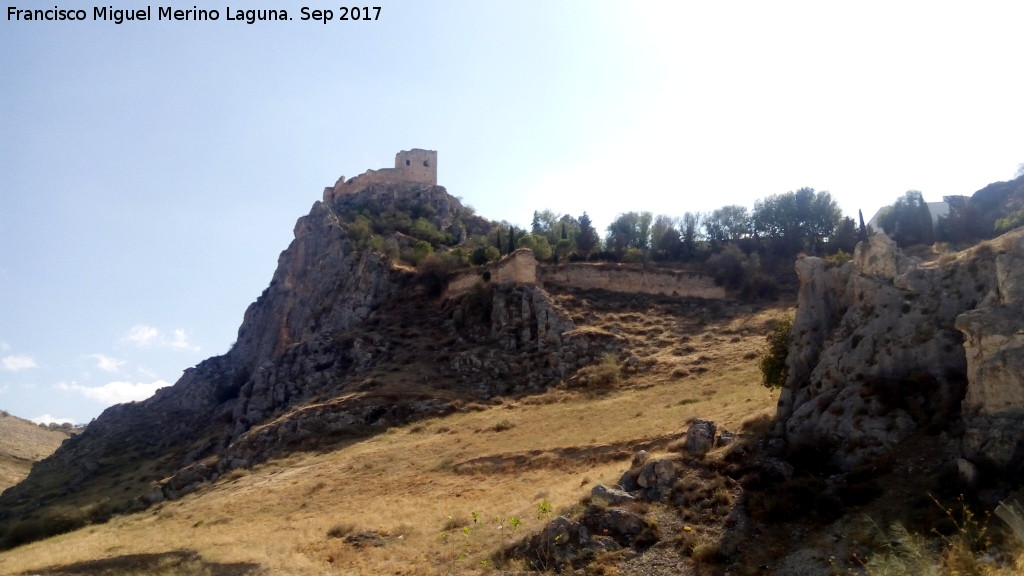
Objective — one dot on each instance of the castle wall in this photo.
(521, 268)
(624, 278)
(414, 166)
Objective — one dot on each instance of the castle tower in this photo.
(417, 165)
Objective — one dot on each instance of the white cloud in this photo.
(115, 392)
(108, 364)
(142, 336)
(47, 419)
(16, 363)
(180, 341)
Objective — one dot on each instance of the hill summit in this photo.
(307, 369)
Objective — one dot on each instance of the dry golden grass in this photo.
(409, 484)
(22, 443)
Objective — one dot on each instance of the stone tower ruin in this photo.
(416, 166)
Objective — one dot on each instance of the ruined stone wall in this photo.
(625, 278)
(414, 166)
(520, 267)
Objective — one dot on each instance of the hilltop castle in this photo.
(414, 166)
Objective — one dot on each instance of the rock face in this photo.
(878, 351)
(297, 375)
(994, 344)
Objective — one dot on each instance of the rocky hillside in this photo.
(21, 444)
(308, 368)
(886, 345)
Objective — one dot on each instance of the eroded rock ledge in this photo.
(886, 345)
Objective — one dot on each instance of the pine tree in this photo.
(587, 240)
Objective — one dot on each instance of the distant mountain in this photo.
(21, 444)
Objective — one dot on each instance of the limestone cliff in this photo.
(340, 344)
(878, 352)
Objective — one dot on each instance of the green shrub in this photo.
(503, 426)
(773, 363)
(837, 259)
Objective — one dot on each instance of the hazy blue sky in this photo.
(151, 172)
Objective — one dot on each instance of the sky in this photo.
(151, 172)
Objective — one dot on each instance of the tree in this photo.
(564, 248)
(421, 250)
(629, 230)
(862, 232)
(845, 237)
(690, 224)
(796, 221)
(908, 221)
(962, 224)
(587, 240)
(539, 244)
(666, 242)
(728, 223)
(552, 226)
(773, 364)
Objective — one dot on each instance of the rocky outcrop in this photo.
(993, 409)
(296, 378)
(877, 351)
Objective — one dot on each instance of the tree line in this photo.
(731, 240)
(803, 221)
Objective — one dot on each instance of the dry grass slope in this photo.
(22, 443)
(380, 505)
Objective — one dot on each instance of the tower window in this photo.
(407, 163)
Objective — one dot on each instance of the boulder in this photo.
(700, 437)
(725, 438)
(626, 528)
(613, 496)
(639, 458)
(656, 478)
